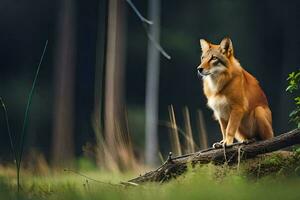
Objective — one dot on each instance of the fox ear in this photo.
(204, 45)
(226, 46)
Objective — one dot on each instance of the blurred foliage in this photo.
(294, 88)
(136, 124)
(201, 182)
(85, 164)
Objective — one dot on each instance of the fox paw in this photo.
(218, 145)
(249, 141)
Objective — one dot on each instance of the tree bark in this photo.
(176, 166)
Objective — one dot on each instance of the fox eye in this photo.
(214, 58)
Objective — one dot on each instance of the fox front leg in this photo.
(235, 119)
(223, 126)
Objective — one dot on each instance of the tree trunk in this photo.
(101, 48)
(63, 141)
(176, 166)
(114, 75)
(152, 83)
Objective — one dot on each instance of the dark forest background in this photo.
(265, 37)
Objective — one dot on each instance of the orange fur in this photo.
(238, 102)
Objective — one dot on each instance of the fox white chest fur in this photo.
(220, 105)
(217, 102)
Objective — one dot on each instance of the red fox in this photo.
(234, 95)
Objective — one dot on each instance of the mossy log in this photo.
(176, 166)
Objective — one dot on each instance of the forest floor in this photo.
(271, 176)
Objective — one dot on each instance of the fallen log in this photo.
(176, 166)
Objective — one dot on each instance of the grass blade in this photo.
(29, 100)
(189, 140)
(175, 143)
(202, 131)
(11, 137)
(25, 122)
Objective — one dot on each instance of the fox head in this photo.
(215, 59)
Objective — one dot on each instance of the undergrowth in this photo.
(274, 176)
(294, 88)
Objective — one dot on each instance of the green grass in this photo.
(206, 182)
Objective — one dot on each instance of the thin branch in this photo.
(150, 37)
(137, 12)
(156, 44)
(89, 178)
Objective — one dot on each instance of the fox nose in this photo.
(200, 69)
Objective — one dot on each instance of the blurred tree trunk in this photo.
(114, 75)
(152, 84)
(64, 63)
(101, 47)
